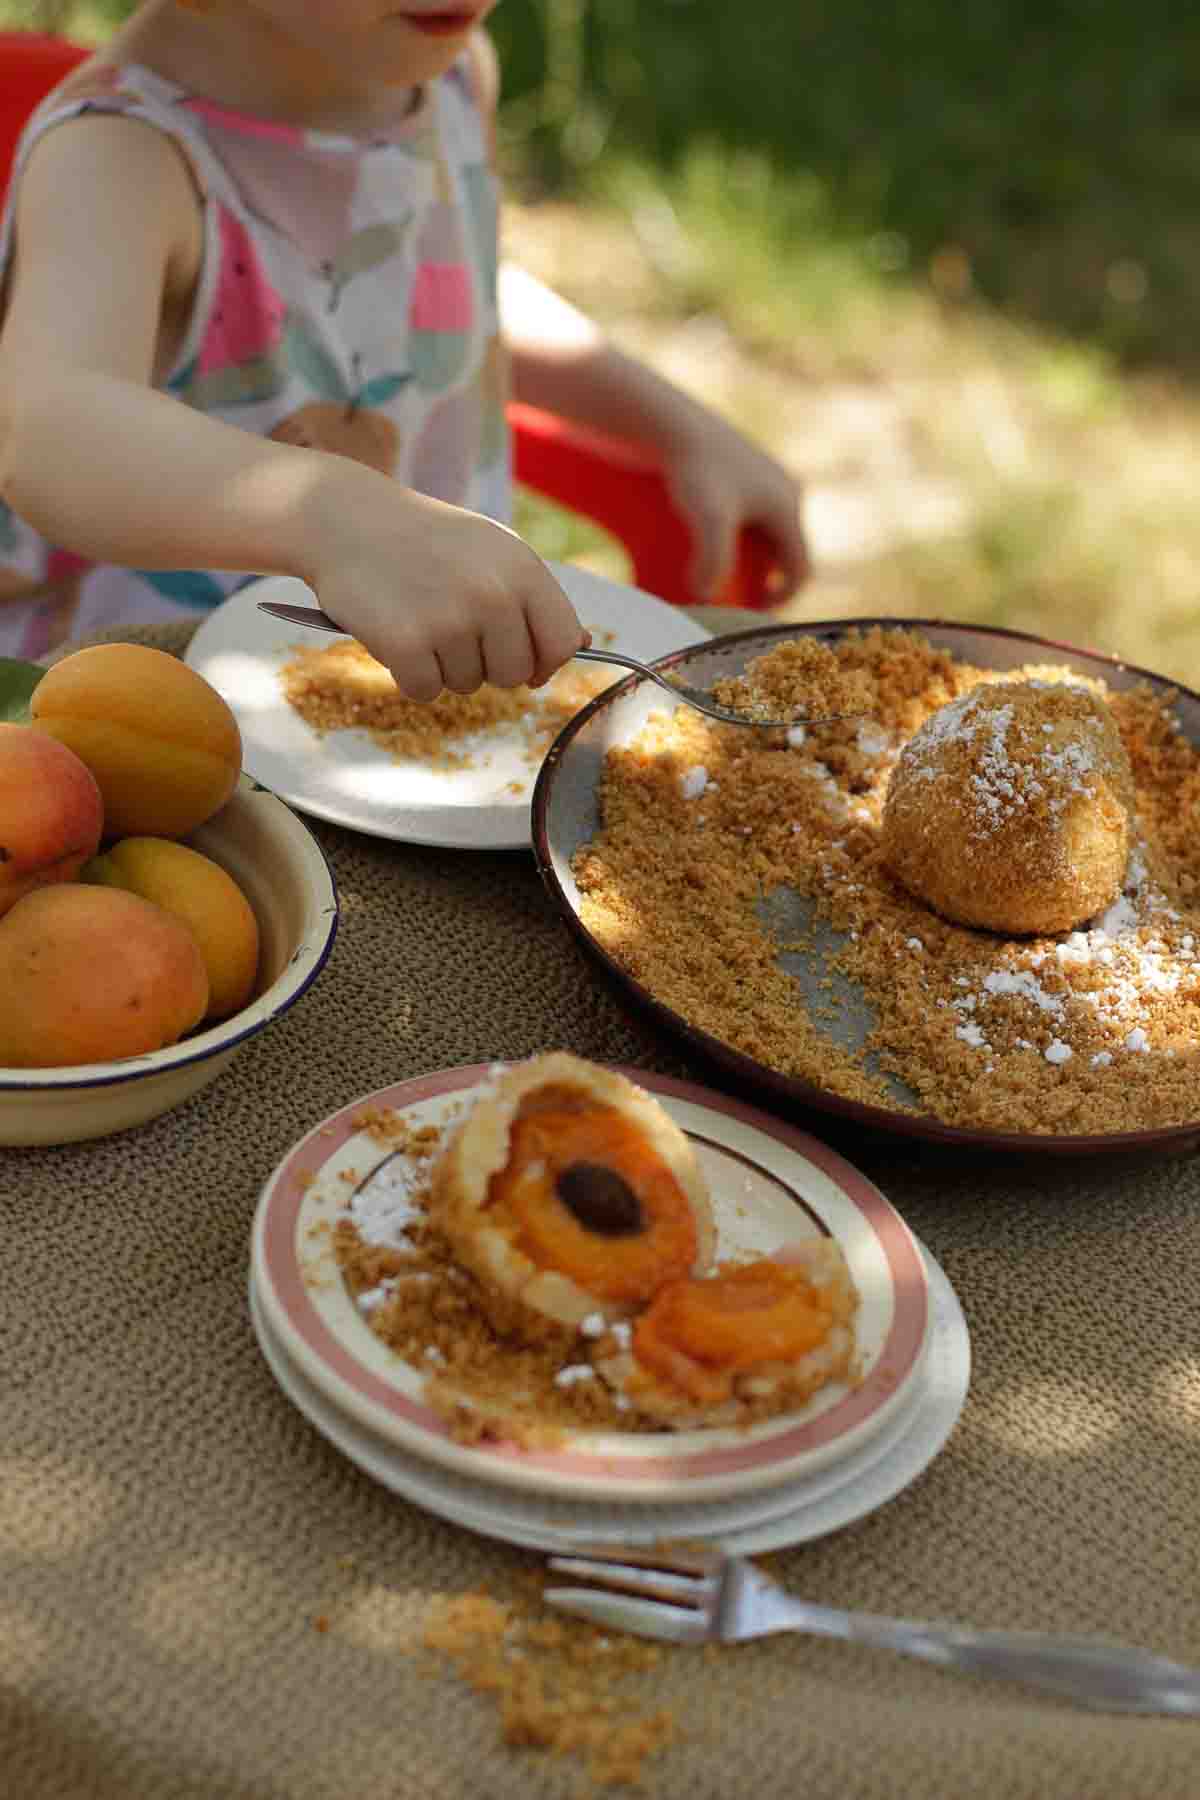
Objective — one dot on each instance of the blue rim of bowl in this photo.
(770, 1086)
(207, 1043)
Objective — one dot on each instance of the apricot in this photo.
(51, 812)
(159, 739)
(201, 893)
(93, 974)
(590, 1198)
(741, 1316)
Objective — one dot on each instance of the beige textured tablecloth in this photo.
(170, 1527)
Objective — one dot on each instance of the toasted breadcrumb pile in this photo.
(1095, 1031)
(343, 688)
(796, 680)
(559, 1684)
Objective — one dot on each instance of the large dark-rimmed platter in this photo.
(566, 816)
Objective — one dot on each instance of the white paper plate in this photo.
(770, 1185)
(344, 777)
(793, 1513)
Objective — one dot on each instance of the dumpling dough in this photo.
(570, 1194)
(1010, 809)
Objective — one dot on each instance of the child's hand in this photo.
(444, 598)
(721, 482)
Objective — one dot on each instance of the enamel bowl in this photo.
(282, 870)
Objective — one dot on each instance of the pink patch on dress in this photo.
(248, 315)
(62, 563)
(442, 298)
(228, 120)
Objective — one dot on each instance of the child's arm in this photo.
(102, 464)
(720, 480)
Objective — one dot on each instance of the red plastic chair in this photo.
(617, 485)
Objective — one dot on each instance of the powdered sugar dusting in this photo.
(1009, 770)
(385, 1208)
(1108, 974)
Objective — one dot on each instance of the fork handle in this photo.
(1111, 1677)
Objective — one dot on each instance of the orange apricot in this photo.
(740, 1317)
(93, 974)
(590, 1198)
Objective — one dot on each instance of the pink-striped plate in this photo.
(770, 1184)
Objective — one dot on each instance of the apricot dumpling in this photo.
(1010, 809)
(571, 1195)
(749, 1336)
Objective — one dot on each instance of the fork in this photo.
(700, 698)
(691, 1594)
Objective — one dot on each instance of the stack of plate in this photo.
(788, 1480)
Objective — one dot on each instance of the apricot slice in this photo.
(696, 1334)
(590, 1198)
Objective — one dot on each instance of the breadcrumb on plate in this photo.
(341, 687)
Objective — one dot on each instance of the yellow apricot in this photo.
(163, 745)
(91, 974)
(201, 893)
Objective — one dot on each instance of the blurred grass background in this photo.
(943, 258)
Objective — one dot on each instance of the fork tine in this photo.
(618, 1612)
(654, 1584)
(681, 1558)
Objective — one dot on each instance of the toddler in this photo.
(253, 326)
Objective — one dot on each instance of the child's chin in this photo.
(421, 61)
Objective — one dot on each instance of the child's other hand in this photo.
(444, 598)
(722, 482)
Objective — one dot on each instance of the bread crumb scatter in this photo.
(342, 688)
(559, 1684)
(966, 1023)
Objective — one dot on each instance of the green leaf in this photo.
(17, 682)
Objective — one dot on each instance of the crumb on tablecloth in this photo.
(559, 1684)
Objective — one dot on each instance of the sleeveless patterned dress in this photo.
(347, 301)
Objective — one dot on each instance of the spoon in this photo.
(700, 698)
